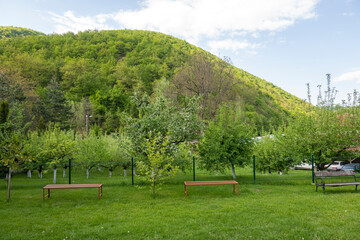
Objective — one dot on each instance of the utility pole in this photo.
(87, 123)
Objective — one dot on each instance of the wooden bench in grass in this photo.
(203, 183)
(331, 179)
(71, 186)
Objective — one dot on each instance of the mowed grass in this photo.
(276, 207)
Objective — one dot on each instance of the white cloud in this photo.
(350, 76)
(70, 23)
(233, 45)
(196, 20)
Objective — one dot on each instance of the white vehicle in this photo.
(336, 166)
(303, 166)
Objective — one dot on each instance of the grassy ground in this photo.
(276, 207)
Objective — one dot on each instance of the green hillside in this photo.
(105, 68)
(10, 32)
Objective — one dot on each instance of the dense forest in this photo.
(63, 78)
(9, 32)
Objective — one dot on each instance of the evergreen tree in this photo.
(4, 111)
(53, 105)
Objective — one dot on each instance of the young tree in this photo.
(50, 148)
(227, 142)
(180, 125)
(31, 151)
(157, 165)
(90, 152)
(117, 153)
(59, 146)
(10, 154)
(326, 134)
(271, 154)
(327, 131)
(12, 133)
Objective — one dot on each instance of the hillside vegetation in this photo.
(99, 71)
(10, 32)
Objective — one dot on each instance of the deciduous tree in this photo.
(227, 142)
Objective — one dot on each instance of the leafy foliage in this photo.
(10, 32)
(117, 152)
(158, 163)
(91, 151)
(179, 124)
(227, 142)
(324, 133)
(272, 154)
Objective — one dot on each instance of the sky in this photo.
(287, 42)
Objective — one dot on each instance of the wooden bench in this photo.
(331, 175)
(71, 186)
(202, 183)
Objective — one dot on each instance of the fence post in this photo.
(254, 167)
(193, 168)
(312, 167)
(69, 170)
(132, 170)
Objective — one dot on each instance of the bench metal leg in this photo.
(356, 187)
(323, 189)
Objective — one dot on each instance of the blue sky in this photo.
(286, 42)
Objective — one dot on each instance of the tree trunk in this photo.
(233, 170)
(125, 172)
(40, 172)
(29, 173)
(87, 173)
(217, 173)
(110, 173)
(55, 169)
(9, 184)
(134, 172)
(154, 186)
(64, 172)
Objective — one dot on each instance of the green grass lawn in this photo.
(276, 207)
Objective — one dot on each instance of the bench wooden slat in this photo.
(329, 175)
(71, 186)
(333, 174)
(198, 183)
(204, 183)
(341, 184)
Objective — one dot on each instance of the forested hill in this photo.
(9, 32)
(103, 69)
